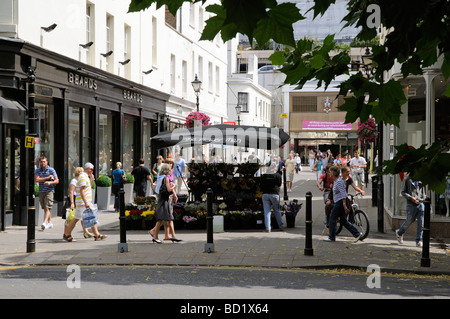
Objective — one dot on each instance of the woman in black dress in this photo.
(164, 212)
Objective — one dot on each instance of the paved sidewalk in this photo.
(232, 248)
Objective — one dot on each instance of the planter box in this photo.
(103, 197)
(128, 188)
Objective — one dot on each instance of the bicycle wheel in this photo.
(361, 222)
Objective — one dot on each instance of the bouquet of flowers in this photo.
(197, 116)
(367, 131)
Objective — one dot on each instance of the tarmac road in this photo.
(174, 282)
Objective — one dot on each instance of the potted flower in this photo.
(128, 187)
(103, 192)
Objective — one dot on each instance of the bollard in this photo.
(123, 246)
(309, 251)
(31, 228)
(209, 246)
(425, 261)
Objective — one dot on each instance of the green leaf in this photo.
(278, 58)
(278, 24)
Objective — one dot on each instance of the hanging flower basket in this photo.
(197, 116)
(367, 131)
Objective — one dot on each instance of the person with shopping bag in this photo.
(83, 202)
(70, 212)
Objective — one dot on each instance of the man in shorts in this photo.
(358, 164)
(47, 178)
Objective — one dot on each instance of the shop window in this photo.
(105, 144)
(129, 145)
(46, 133)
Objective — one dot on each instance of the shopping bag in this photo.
(70, 213)
(90, 217)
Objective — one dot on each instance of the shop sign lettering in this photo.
(81, 80)
(132, 96)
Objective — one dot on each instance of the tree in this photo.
(416, 39)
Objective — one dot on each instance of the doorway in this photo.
(12, 167)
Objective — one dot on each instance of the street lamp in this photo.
(197, 85)
(369, 68)
(238, 112)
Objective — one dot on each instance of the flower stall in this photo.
(237, 197)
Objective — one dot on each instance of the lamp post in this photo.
(197, 85)
(238, 112)
(368, 67)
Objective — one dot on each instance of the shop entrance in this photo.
(12, 167)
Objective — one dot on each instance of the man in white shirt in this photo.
(358, 164)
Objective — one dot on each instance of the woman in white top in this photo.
(72, 195)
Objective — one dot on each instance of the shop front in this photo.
(84, 114)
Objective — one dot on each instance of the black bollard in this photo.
(123, 246)
(31, 234)
(425, 261)
(209, 246)
(309, 251)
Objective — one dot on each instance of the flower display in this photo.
(367, 131)
(197, 116)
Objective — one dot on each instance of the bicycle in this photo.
(356, 216)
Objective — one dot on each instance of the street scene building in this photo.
(85, 81)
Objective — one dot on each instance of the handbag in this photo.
(90, 217)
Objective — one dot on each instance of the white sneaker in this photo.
(419, 244)
(357, 238)
(44, 226)
(399, 237)
(49, 226)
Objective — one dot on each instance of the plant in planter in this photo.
(128, 187)
(104, 183)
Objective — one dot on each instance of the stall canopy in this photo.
(258, 137)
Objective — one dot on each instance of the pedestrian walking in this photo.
(270, 188)
(157, 167)
(180, 170)
(141, 176)
(311, 158)
(358, 164)
(298, 163)
(72, 196)
(164, 211)
(47, 178)
(325, 184)
(415, 195)
(290, 170)
(118, 177)
(340, 208)
(83, 201)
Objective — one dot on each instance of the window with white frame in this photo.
(243, 101)
(184, 78)
(210, 77)
(154, 42)
(217, 80)
(109, 41)
(172, 73)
